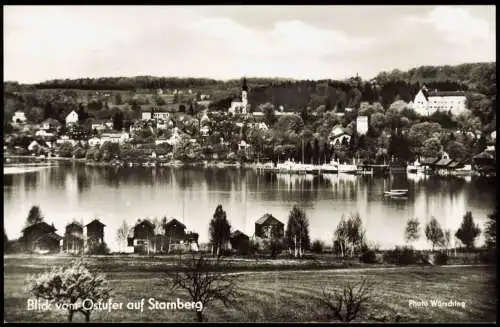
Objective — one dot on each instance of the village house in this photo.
(71, 118)
(73, 241)
(177, 239)
(50, 124)
(239, 242)
(426, 103)
(485, 162)
(243, 145)
(64, 139)
(94, 233)
(40, 238)
(204, 103)
(142, 237)
(204, 118)
(94, 141)
(33, 146)
(99, 126)
(115, 137)
(43, 133)
(175, 138)
(268, 226)
(340, 135)
(362, 125)
(19, 117)
(262, 126)
(204, 130)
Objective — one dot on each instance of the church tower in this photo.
(244, 92)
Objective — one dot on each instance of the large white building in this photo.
(72, 118)
(362, 125)
(426, 103)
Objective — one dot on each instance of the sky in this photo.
(226, 42)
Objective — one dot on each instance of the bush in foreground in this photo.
(347, 303)
(68, 286)
(401, 256)
(441, 258)
(205, 282)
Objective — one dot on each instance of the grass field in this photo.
(276, 295)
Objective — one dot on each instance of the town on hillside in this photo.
(347, 126)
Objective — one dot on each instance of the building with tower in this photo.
(241, 107)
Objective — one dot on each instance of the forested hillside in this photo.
(477, 79)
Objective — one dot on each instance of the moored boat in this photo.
(396, 193)
(414, 168)
(329, 168)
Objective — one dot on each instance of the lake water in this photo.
(68, 192)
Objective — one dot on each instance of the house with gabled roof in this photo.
(142, 237)
(94, 233)
(340, 135)
(40, 238)
(240, 242)
(268, 226)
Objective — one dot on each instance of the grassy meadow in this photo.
(272, 295)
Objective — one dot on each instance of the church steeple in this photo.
(244, 87)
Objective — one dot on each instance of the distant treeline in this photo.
(295, 95)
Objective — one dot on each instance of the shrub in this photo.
(99, 248)
(346, 304)
(401, 256)
(317, 246)
(254, 247)
(441, 258)
(69, 286)
(368, 256)
(487, 257)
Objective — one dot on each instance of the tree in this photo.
(118, 99)
(118, 118)
(122, 234)
(354, 232)
(66, 150)
(431, 148)
(434, 233)
(35, 216)
(456, 150)
(35, 115)
(269, 114)
(219, 231)
(468, 231)
(490, 232)
(69, 286)
(340, 236)
(297, 232)
(205, 282)
(412, 231)
(5, 242)
(447, 240)
(317, 246)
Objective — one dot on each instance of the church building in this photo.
(241, 107)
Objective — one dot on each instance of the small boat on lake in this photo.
(396, 193)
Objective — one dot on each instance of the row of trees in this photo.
(467, 233)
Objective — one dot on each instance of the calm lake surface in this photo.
(72, 191)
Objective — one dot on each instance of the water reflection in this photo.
(192, 194)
